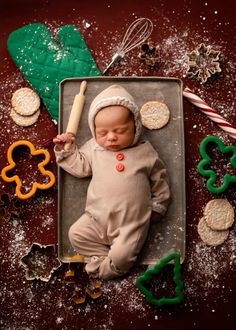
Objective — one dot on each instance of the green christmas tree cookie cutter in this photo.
(210, 173)
(146, 277)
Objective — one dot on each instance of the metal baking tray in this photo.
(169, 234)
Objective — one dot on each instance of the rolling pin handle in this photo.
(83, 86)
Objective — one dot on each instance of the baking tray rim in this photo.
(59, 170)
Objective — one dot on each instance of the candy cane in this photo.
(211, 113)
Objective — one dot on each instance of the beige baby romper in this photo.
(125, 187)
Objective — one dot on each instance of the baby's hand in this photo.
(62, 139)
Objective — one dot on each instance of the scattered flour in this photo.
(205, 267)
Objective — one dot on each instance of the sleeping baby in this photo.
(128, 187)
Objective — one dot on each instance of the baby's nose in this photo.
(111, 136)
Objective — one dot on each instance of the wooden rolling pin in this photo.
(76, 111)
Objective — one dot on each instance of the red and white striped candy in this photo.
(211, 113)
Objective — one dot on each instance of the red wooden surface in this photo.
(208, 273)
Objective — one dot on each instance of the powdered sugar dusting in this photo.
(210, 266)
(205, 268)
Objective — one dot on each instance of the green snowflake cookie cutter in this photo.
(146, 277)
(206, 159)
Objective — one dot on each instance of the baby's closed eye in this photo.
(101, 133)
(120, 130)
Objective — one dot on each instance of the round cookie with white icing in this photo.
(209, 236)
(154, 114)
(24, 120)
(25, 101)
(219, 214)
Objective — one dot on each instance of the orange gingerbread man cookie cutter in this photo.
(17, 180)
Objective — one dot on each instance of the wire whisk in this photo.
(135, 35)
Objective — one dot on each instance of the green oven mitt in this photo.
(44, 62)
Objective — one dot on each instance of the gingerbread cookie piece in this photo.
(154, 114)
(219, 214)
(24, 120)
(209, 236)
(25, 101)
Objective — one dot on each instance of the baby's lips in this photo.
(17, 180)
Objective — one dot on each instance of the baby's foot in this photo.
(108, 270)
(92, 267)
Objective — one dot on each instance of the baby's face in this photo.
(114, 128)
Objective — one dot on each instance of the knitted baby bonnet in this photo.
(115, 95)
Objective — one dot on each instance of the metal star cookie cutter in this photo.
(203, 62)
(17, 180)
(40, 262)
(149, 54)
(206, 159)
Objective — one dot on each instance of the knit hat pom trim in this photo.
(116, 100)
